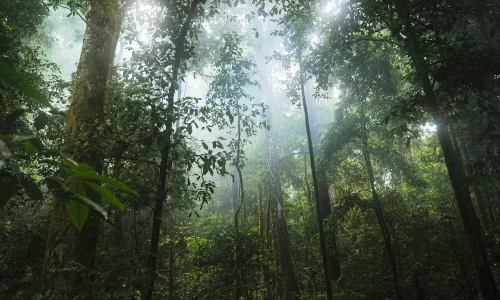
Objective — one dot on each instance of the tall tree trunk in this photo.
(418, 288)
(87, 112)
(465, 157)
(240, 277)
(172, 222)
(118, 236)
(259, 211)
(324, 195)
(453, 164)
(235, 190)
(171, 257)
(324, 254)
(284, 252)
(460, 263)
(379, 212)
(267, 279)
(165, 153)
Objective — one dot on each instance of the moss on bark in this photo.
(70, 253)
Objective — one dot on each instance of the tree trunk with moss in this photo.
(70, 254)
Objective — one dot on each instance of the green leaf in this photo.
(204, 145)
(84, 169)
(32, 189)
(77, 212)
(12, 117)
(41, 121)
(33, 146)
(29, 148)
(15, 79)
(18, 138)
(111, 181)
(37, 143)
(89, 203)
(4, 150)
(55, 186)
(72, 168)
(49, 161)
(106, 194)
(8, 188)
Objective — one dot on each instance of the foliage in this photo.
(238, 78)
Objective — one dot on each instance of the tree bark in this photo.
(65, 245)
(259, 211)
(235, 190)
(171, 257)
(379, 212)
(453, 164)
(267, 279)
(240, 277)
(290, 285)
(465, 157)
(324, 254)
(283, 251)
(118, 237)
(324, 195)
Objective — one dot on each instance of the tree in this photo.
(228, 100)
(453, 163)
(87, 115)
(180, 41)
(400, 106)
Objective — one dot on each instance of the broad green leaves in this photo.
(41, 121)
(106, 194)
(73, 186)
(77, 212)
(77, 182)
(14, 78)
(12, 178)
(8, 188)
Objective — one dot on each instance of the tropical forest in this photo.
(250, 149)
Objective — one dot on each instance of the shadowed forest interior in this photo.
(250, 149)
